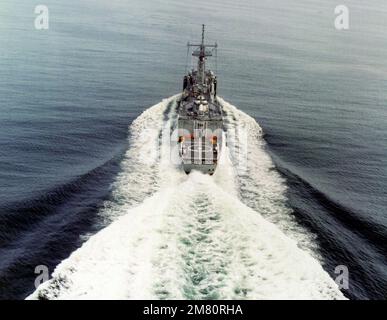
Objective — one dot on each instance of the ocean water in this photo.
(85, 182)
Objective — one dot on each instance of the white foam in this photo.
(140, 174)
(193, 237)
(259, 185)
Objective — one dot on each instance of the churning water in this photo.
(194, 237)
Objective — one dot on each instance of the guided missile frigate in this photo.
(200, 121)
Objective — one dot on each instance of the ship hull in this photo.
(206, 168)
(200, 142)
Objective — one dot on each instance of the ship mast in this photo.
(202, 59)
(202, 54)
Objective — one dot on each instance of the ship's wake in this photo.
(173, 236)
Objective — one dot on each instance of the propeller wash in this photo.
(175, 236)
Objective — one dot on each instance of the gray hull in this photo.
(206, 169)
(200, 137)
(200, 143)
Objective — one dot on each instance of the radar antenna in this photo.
(202, 53)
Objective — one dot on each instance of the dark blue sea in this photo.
(69, 96)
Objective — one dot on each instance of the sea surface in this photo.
(85, 182)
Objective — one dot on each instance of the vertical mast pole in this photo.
(202, 57)
(203, 26)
